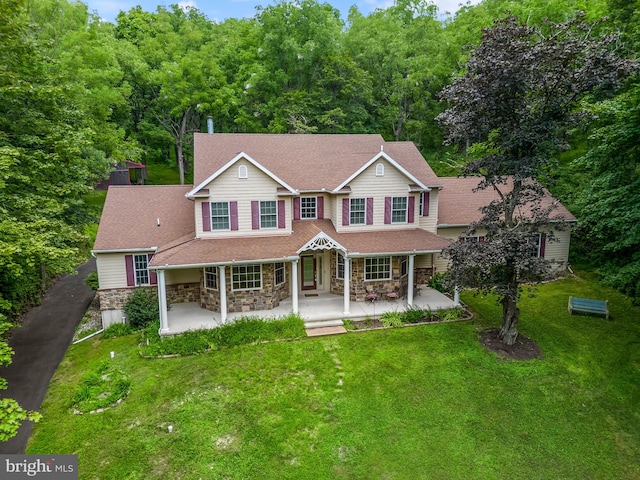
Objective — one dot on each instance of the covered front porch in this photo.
(323, 307)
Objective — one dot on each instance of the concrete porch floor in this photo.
(323, 307)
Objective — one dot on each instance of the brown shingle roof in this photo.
(305, 162)
(130, 215)
(224, 250)
(458, 204)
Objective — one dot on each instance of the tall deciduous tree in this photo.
(514, 103)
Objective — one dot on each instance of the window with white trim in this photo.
(536, 242)
(141, 268)
(243, 172)
(357, 211)
(246, 277)
(399, 210)
(380, 170)
(473, 239)
(220, 216)
(340, 266)
(278, 273)
(268, 214)
(377, 268)
(211, 278)
(403, 266)
(308, 207)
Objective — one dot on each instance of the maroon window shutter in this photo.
(369, 210)
(131, 274)
(345, 211)
(387, 210)
(543, 244)
(480, 239)
(296, 208)
(255, 215)
(320, 207)
(425, 203)
(153, 276)
(206, 216)
(233, 215)
(281, 212)
(411, 207)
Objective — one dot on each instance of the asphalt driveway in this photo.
(40, 345)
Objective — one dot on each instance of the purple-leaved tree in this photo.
(513, 105)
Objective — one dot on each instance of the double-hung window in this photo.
(357, 211)
(211, 278)
(246, 277)
(220, 216)
(309, 207)
(268, 214)
(536, 243)
(398, 209)
(377, 268)
(141, 268)
(340, 267)
(278, 273)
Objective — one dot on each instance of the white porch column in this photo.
(162, 302)
(456, 296)
(223, 294)
(294, 285)
(410, 285)
(347, 285)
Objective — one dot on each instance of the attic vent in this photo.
(243, 172)
(380, 170)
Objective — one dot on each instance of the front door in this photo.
(308, 272)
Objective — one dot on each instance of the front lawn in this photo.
(404, 403)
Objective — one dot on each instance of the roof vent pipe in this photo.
(209, 125)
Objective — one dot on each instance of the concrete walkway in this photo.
(40, 345)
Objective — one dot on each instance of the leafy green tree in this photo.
(519, 94)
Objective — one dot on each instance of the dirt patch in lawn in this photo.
(523, 349)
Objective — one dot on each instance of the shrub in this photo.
(242, 331)
(141, 308)
(451, 314)
(437, 283)
(118, 330)
(391, 319)
(92, 281)
(414, 315)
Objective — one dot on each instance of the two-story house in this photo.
(273, 217)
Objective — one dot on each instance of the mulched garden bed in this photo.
(523, 349)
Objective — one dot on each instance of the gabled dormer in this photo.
(242, 198)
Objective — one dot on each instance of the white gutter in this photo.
(393, 254)
(126, 250)
(218, 264)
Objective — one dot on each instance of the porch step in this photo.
(322, 324)
(324, 331)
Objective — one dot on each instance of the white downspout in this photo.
(162, 303)
(294, 285)
(347, 286)
(223, 294)
(410, 285)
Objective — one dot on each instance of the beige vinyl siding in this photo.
(112, 271)
(392, 184)
(423, 261)
(558, 248)
(176, 277)
(442, 264)
(228, 187)
(430, 222)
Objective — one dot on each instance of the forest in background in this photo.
(78, 94)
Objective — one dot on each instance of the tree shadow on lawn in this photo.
(523, 349)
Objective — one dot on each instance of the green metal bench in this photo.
(586, 305)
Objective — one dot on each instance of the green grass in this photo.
(422, 402)
(166, 174)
